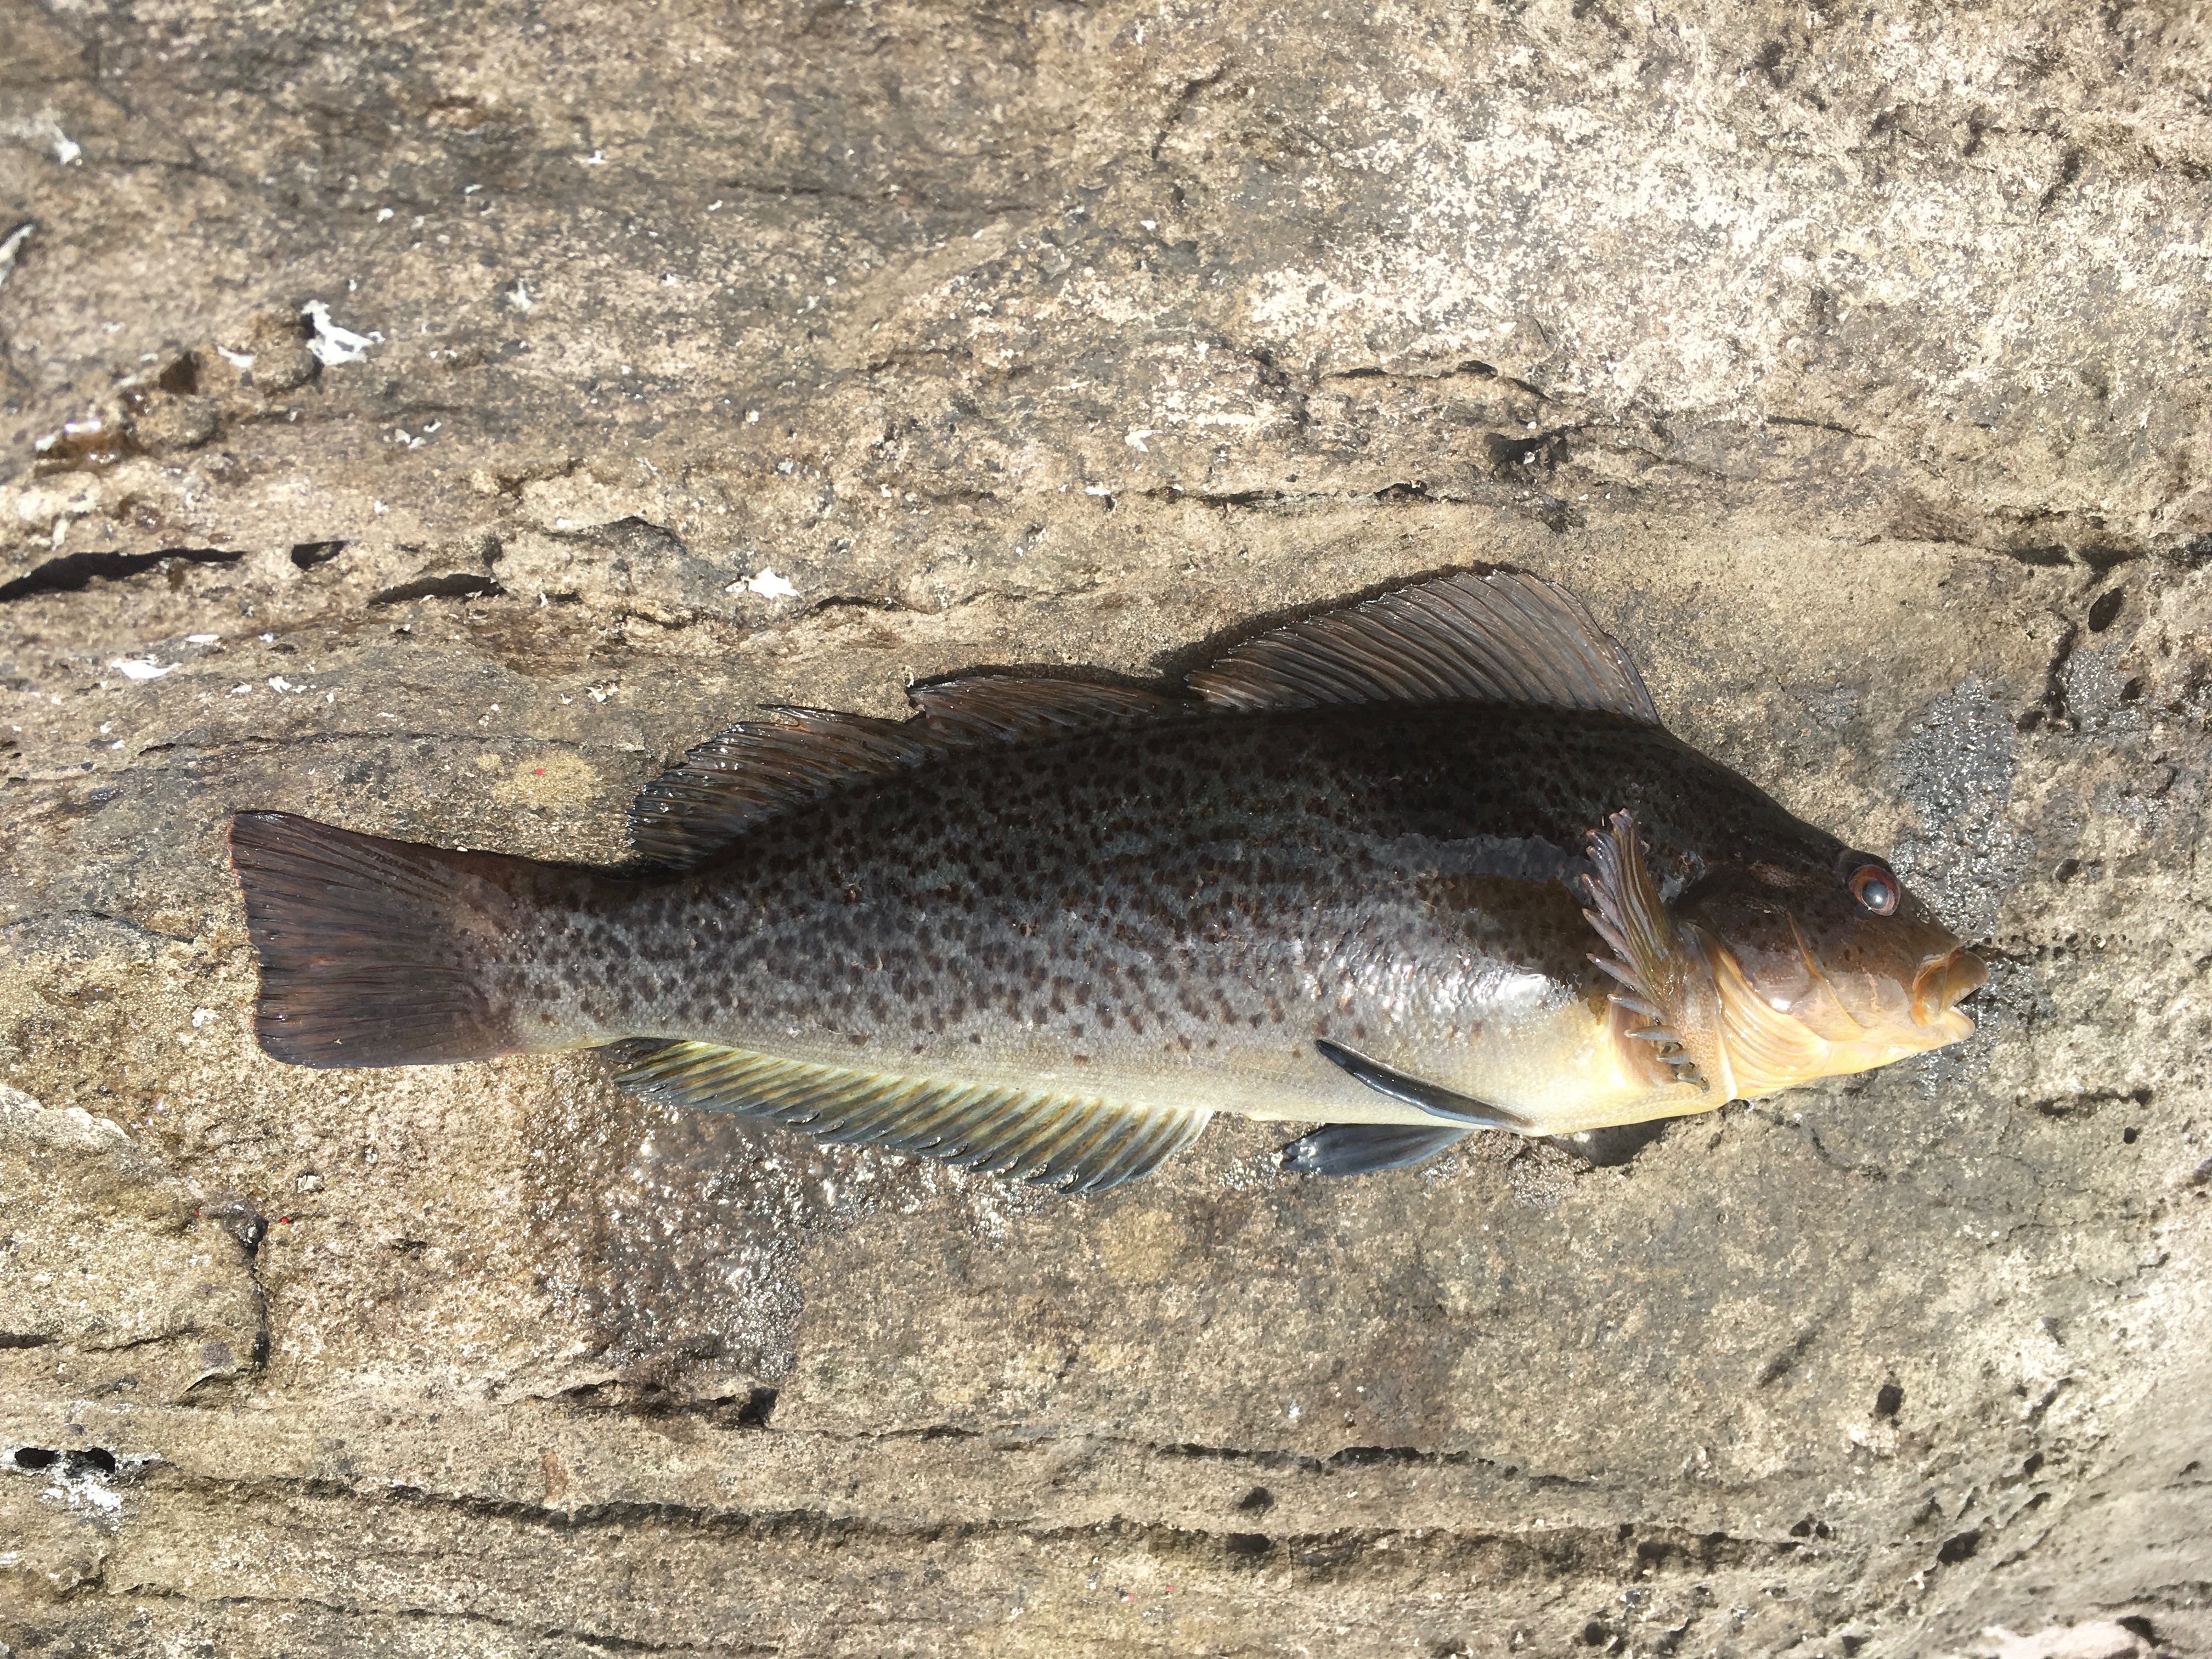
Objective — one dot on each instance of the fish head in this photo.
(1817, 962)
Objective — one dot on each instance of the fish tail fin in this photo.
(374, 952)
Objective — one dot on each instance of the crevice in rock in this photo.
(75, 571)
(460, 585)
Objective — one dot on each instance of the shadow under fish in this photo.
(1421, 866)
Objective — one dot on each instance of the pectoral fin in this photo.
(1345, 1149)
(1437, 1102)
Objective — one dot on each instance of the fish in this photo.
(1413, 869)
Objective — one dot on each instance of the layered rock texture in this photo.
(432, 419)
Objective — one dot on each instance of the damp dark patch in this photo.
(181, 377)
(2103, 560)
(1888, 1399)
(75, 571)
(461, 585)
(755, 1412)
(1955, 768)
(1512, 456)
(1607, 1149)
(1246, 1543)
(1256, 1501)
(2042, 558)
(309, 555)
(1960, 1546)
(2106, 609)
(75, 1459)
(240, 1216)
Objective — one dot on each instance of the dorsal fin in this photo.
(1503, 637)
(759, 769)
(985, 706)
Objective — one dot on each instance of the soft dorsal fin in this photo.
(1077, 1144)
(759, 769)
(984, 707)
(1503, 637)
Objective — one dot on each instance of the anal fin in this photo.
(1346, 1149)
(1079, 1145)
(1442, 1103)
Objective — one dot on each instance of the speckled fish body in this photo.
(1050, 928)
(1169, 913)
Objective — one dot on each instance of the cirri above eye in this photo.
(1875, 888)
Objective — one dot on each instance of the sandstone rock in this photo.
(449, 415)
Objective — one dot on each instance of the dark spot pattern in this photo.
(1157, 885)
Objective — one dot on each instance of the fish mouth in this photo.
(1942, 983)
(1761, 1048)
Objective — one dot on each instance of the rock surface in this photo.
(432, 419)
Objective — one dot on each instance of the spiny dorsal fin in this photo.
(1079, 1145)
(759, 769)
(1503, 637)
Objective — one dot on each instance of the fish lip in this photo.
(1945, 982)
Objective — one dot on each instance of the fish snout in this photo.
(1943, 982)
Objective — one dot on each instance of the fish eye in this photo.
(1873, 886)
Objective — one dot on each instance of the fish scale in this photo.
(1049, 928)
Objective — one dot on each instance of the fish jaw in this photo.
(1769, 1049)
(1941, 986)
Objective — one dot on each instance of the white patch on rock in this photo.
(141, 668)
(333, 344)
(13, 245)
